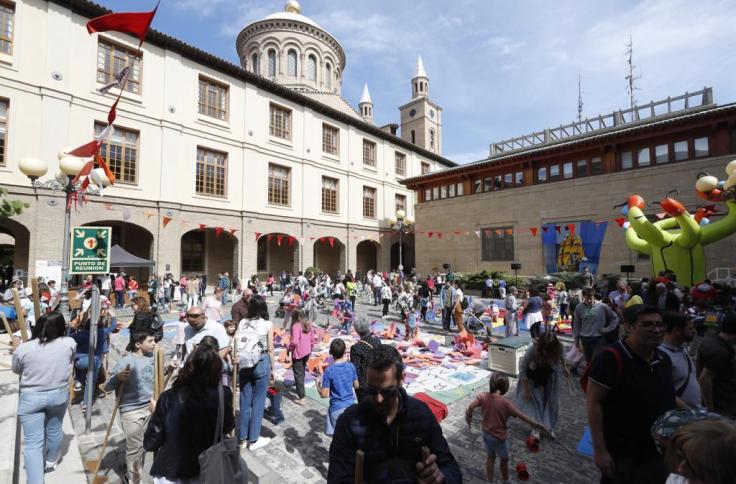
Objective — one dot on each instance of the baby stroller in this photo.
(474, 316)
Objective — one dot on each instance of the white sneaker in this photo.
(261, 442)
(51, 466)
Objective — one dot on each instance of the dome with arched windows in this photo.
(293, 50)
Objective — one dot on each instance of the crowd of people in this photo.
(643, 352)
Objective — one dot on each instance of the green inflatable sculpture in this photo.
(677, 243)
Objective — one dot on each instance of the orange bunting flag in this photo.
(166, 220)
(571, 228)
(509, 231)
(499, 231)
(218, 231)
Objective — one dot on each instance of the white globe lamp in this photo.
(71, 165)
(33, 168)
(391, 220)
(400, 214)
(409, 220)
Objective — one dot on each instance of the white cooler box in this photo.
(505, 354)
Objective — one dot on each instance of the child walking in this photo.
(300, 347)
(338, 383)
(496, 410)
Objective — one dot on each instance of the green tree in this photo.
(10, 208)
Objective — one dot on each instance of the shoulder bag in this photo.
(221, 463)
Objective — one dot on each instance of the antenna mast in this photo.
(631, 78)
(580, 101)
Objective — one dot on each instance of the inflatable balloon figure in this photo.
(677, 243)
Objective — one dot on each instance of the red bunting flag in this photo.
(202, 227)
(218, 231)
(112, 114)
(258, 235)
(557, 228)
(545, 229)
(279, 238)
(232, 232)
(620, 221)
(269, 237)
(322, 239)
(292, 239)
(457, 232)
(429, 234)
(136, 23)
(166, 221)
(571, 228)
(331, 240)
(86, 150)
(533, 230)
(439, 235)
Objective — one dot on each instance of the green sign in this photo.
(90, 250)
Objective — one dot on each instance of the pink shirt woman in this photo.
(301, 349)
(301, 342)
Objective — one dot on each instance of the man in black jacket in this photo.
(398, 434)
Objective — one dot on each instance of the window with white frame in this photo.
(278, 184)
(113, 58)
(330, 139)
(369, 202)
(369, 153)
(330, 190)
(213, 99)
(280, 125)
(120, 152)
(400, 162)
(211, 172)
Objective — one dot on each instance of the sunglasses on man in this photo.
(385, 392)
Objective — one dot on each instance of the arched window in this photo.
(431, 138)
(291, 63)
(254, 64)
(312, 68)
(272, 63)
(413, 137)
(328, 77)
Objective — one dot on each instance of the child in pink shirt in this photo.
(496, 410)
(300, 347)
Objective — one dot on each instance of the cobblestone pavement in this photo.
(299, 450)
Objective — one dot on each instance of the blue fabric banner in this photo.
(572, 246)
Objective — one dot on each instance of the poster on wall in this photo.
(50, 270)
(572, 246)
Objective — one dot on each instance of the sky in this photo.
(499, 69)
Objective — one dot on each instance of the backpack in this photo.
(619, 368)
(464, 303)
(250, 348)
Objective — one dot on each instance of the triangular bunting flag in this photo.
(218, 231)
(620, 221)
(279, 238)
(499, 231)
(202, 227)
(571, 228)
(661, 215)
(331, 240)
(258, 235)
(269, 237)
(108, 206)
(149, 214)
(457, 232)
(291, 241)
(429, 234)
(439, 235)
(533, 230)
(166, 220)
(86, 150)
(557, 228)
(312, 238)
(112, 114)
(477, 233)
(509, 231)
(545, 229)
(232, 232)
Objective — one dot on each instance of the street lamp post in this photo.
(69, 168)
(400, 222)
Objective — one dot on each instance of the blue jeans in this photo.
(253, 386)
(81, 364)
(41, 415)
(332, 416)
(225, 293)
(495, 447)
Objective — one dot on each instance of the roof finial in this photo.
(292, 6)
(420, 68)
(366, 96)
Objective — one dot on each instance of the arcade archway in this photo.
(329, 255)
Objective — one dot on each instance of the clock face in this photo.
(431, 113)
(413, 113)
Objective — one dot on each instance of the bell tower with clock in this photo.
(421, 119)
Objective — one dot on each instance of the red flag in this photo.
(533, 231)
(166, 220)
(322, 239)
(85, 151)
(135, 23)
(202, 227)
(292, 239)
(258, 235)
(269, 237)
(112, 114)
(331, 240)
(429, 234)
(545, 229)
(620, 221)
(86, 169)
(557, 228)
(218, 231)
(232, 232)
(279, 238)
(571, 228)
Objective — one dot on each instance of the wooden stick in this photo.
(6, 324)
(359, 466)
(159, 383)
(92, 464)
(234, 379)
(36, 299)
(21, 317)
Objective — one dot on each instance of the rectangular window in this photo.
(279, 178)
(497, 182)
(280, 124)
(701, 147)
(451, 190)
(369, 202)
(662, 154)
(519, 178)
(4, 105)
(443, 191)
(400, 202)
(542, 174)
(369, 153)
(330, 139)
(554, 172)
(113, 58)
(211, 168)
(487, 184)
(582, 167)
(596, 166)
(120, 153)
(460, 189)
(425, 168)
(567, 170)
(329, 194)
(7, 19)
(680, 148)
(627, 160)
(477, 185)
(497, 244)
(508, 180)
(435, 193)
(427, 194)
(213, 99)
(643, 157)
(400, 163)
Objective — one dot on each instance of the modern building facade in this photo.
(260, 167)
(518, 204)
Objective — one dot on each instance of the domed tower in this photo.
(293, 50)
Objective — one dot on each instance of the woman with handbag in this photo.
(185, 419)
